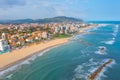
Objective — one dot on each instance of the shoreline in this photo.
(7, 60)
(27, 60)
(23, 59)
(19, 56)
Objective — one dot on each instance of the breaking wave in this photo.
(115, 32)
(112, 41)
(5, 73)
(85, 69)
(82, 71)
(102, 75)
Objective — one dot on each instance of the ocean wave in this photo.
(116, 28)
(110, 42)
(93, 29)
(92, 69)
(85, 69)
(5, 73)
(102, 75)
(110, 65)
(115, 32)
(82, 71)
(9, 76)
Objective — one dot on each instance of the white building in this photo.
(4, 36)
(44, 35)
(4, 45)
(57, 29)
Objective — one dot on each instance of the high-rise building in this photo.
(4, 46)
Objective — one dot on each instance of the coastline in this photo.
(12, 58)
(9, 59)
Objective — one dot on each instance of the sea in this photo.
(75, 60)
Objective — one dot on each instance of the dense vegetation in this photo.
(62, 35)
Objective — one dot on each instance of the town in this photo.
(17, 36)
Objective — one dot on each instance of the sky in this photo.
(37, 9)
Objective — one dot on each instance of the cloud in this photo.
(18, 9)
(11, 3)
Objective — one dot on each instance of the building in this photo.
(57, 30)
(4, 45)
(4, 36)
(44, 35)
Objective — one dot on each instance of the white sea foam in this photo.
(3, 73)
(91, 60)
(93, 29)
(92, 69)
(115, 30)
(85, 69)
(82, 71)
(9, 76)
(101, 52)
(79, 69)
(110, 42)
(102, 75)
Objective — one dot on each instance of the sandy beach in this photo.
(11, 58)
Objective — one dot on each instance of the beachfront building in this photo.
(67, 29)
(4, 45)
(4, 36)
(44, 35)
(57, 30)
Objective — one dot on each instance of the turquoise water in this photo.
(74, 60)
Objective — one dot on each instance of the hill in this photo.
(58, 19)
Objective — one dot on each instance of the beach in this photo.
(9, 59)
(76, 60)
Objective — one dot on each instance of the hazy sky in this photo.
(85, 9)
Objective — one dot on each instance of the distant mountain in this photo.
(58, 19)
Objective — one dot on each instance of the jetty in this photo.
(85, 42)
(95, 74)
(81, 41)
